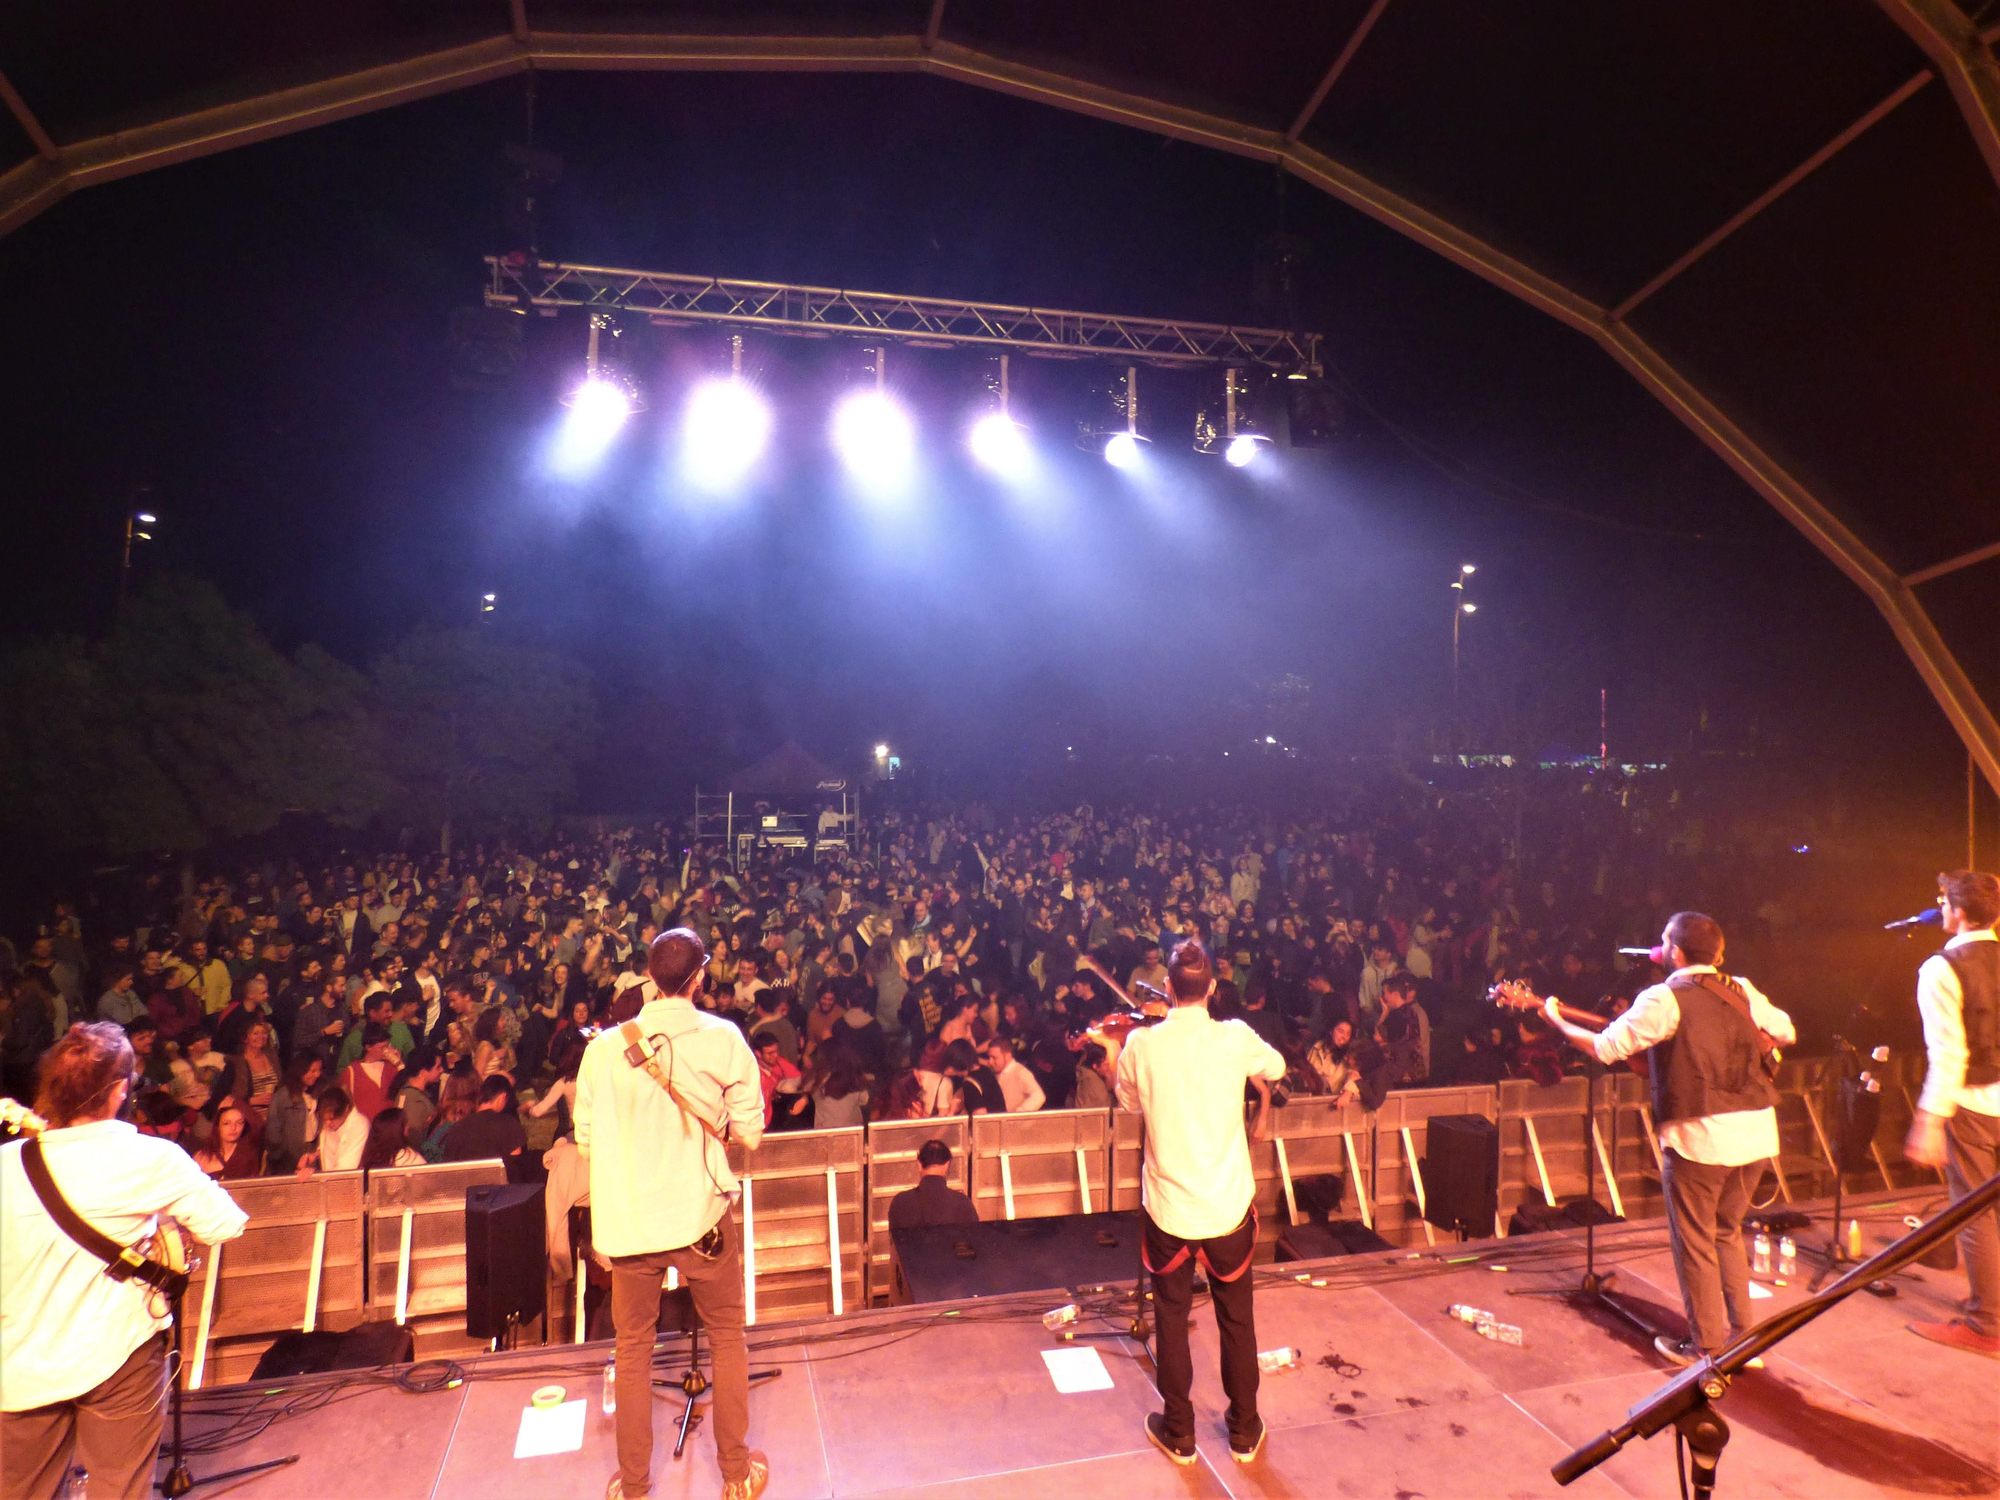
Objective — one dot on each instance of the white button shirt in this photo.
(658, 1181)
(1186, 1075)
(1734, 1139)
(1941, 1002)
(65, 1326)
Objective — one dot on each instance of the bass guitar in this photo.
(163, 1260)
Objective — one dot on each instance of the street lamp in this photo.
(1461, 607)
(488, 603)
(137, 519)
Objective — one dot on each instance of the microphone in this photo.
(1656, 955)
(1929, 917)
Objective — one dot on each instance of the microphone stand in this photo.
(1683, 1402)
(1595, 1286)
(179, 1480)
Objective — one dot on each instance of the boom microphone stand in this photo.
(1683, 1402)
(179, 1480)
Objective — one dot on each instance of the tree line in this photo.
(185, 725)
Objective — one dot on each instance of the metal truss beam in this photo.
(1952, 564)
(36, 185)
(1354, 41)
(25, 118)
(777, 308)
(1964, 57)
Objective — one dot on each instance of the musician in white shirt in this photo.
(83, 1363)
(1187, 1075)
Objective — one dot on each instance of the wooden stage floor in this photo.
(953, 1399)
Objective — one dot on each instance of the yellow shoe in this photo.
(751, 1485)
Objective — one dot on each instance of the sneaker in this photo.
(616, 1489)
(1682, 1352)
(1156, 1434)
(751, 1485)
(1959, 1334)
(1247, 1453)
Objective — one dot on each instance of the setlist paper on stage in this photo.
(1075, 1370)
(1757, 1291)
(547, 1430)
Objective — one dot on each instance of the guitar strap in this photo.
(637, 1055)
(121, 1262)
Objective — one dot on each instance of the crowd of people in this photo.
(390, 1009)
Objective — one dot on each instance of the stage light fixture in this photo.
(999, 442)
(1240, 433)
(1120, 440)
(725, 427)
(597, 409)
(1121, 450)
(873, 435)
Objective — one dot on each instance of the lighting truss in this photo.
(928, 322)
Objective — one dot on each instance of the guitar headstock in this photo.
(1514, 994)
(17, 1117)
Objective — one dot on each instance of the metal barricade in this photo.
(1128, 1159)
(1034, 1166)
(1401, 1143)
(297, 1265)
(892, 1148)
(1311, 1137)
(803, 1224)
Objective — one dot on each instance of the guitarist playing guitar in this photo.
(1710, 1037)
(83, 1355)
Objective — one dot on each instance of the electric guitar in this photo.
(1515, 994)
(168, 1247)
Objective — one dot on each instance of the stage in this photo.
(1392, 1399)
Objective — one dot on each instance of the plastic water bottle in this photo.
(1788, 1258)
(608, 1403)
(1469, 1315)
(1270, 1361)
(1058, 1317)
(1501, 1333)
(1854, 1239)
(1760, 1255)
(76, 1483)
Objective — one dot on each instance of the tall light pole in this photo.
(137, 519)
(1460, 607)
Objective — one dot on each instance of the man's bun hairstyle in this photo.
(1190, 973)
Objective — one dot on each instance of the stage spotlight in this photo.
(1242, 449)
(1121, 450)
(726, 427)
(999, 443)
(1119, 438)
(1241, 431)
(874, 437)
(597, 409)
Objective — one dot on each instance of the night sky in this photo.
(261, 338)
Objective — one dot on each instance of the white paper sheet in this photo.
(1076, 1370)
(1757, 1291)
(546, 1430)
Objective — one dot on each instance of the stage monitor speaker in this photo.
(1462, 1174)
(506, 1256)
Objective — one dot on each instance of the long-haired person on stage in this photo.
(655, 1100)
(1711, 1036)
(1957, 1124)
(1186, 1076)
(83, 1360)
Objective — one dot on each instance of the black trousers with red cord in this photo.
(1226, 1261)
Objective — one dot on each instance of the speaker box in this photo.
(1462, 1173)
(363, 1347)
(1536, 1217)
(506, 1256)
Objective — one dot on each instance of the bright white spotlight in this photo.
(1242, 449)
(874, 437)
(597, 409)
(1000, 444)
(881, 752)
(1121, 451)
(726, 427)
(145, 518)
(1471, 609)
